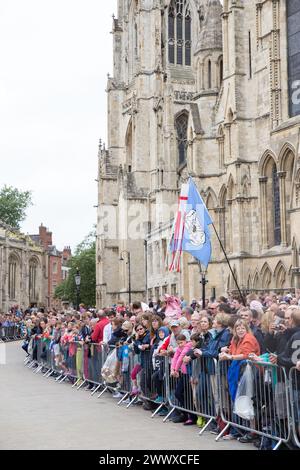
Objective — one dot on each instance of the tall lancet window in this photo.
(179, 33)
(181, 125)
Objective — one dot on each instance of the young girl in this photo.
(158, 364)
(141, 344)
(183, 391)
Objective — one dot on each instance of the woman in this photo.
(156, 324)
(242, 344)
(141, 347)
(204, 326)
(117, 332)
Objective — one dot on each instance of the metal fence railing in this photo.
(294, 380)
(247, 396)
(262, 406)
(11, 333)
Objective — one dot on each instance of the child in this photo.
(158, 364)
(183, 391)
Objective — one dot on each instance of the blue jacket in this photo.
(145, 355)
(213, 348)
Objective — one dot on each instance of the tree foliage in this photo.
(13, 205)
(84, 259)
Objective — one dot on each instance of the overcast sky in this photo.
(54, 60)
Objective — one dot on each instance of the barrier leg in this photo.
(75, 383)
(278, 445)
(59, 377)
(157, 410)
(222, 432)
(206, 426)
(103, 391)
(123, 398)
(169, 414)
(96, 390)
(82, 384)
(63, 379)
(49, 373)
(132, 402)
(39, 369)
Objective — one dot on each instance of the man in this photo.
(236, 304)
(187, 312)
(213, 308)
(107, 331)
(290, 356)
(224, 308)
(97, 335)
(279, 335)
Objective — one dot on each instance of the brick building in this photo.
(56, 265)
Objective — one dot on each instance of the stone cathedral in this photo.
(209, 89)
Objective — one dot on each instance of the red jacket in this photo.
(245, 346)
(97, 335)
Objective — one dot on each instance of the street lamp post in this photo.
(77, 282)
(203, 282)
(129, 272)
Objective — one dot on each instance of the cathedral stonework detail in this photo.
(212, 90)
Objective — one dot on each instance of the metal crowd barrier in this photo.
(195, 392)
(94, 356)
(204, 391)
(270, 401)
(294, 380)
(10, 333)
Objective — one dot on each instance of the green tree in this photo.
(13, 205)
(84, 259)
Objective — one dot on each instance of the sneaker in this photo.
(201, 422)
(247, 438)
(189, 422)
(135, 391)
(117, 395)
(229, 437)
(178, 419)
(163, 412)
(159, 400)
(214, 430)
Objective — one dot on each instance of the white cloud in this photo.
(54, 57)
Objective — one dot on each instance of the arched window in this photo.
(12, 278)
(209, 83)
(220, 71)
(276, 206)
(32, 281)
(179, 33)
(181, 125)
(293, 37)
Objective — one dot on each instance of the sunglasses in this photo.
(139, 329)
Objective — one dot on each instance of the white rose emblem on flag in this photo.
(194, 229)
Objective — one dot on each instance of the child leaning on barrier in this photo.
(158, 363)
(141, 344)
(183, 391)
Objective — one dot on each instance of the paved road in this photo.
(39, 413)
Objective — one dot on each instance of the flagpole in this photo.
(228, 262)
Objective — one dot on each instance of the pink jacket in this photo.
(177, 363)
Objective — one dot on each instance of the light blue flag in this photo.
(196, 238)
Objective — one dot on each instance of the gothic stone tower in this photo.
(209, 90)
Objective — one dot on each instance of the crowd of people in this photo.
(262, 328)
(11, 324)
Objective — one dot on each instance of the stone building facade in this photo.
(210, 90)
(22, 270)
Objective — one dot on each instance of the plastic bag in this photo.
(108, 370)
(243, 404)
